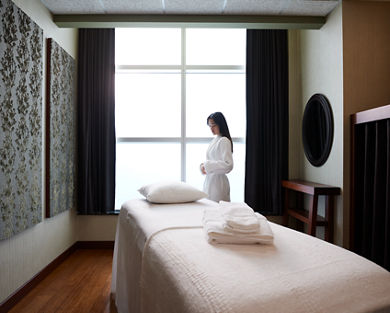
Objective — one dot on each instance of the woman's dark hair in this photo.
(220, 120)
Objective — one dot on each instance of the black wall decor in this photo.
(317, 129)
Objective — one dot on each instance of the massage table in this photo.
(163, 263)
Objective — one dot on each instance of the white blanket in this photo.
(139, 220)
(177, 270)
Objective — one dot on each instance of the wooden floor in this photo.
(80, 284)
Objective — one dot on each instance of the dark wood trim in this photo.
(375, 114)
(310, 187)
(352, 184)
(15, 297)
(47, 131)
(371, 115)
(188, 20)
(95, 244)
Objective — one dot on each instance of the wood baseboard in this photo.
(16, 296)
(95, 244)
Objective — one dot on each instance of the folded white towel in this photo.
(241, 230)
(235, 208)
(239, 217)
(216, 232)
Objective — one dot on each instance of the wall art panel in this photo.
(61, 134)
(21, 44)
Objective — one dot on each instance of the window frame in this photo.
(183, 68)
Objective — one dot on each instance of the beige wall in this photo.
(366, 46)
(96, 227)
(348, 60)
(296, 107)
(316, 66)
(24, 255)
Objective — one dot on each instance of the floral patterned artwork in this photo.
(21, 44)
(61, 141)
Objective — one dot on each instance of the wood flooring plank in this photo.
(80, 284)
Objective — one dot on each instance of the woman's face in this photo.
(214, 127)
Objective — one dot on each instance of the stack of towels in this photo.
(236, 223)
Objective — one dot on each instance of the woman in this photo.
(219, 159)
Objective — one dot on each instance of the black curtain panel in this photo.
(96, 121)
(372, 191)
(267, 119)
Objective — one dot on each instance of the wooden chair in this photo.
(310, 217)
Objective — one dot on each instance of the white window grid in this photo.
(184, 69)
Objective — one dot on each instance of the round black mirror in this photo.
(317, 129)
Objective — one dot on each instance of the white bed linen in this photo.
(139, 220)
(163, 263)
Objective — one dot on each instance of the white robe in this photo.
(219, 162)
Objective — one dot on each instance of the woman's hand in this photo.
(202, 169)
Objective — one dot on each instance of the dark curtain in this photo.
(96, 121)
(372, 192)
(267, 119)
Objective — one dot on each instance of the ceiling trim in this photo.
(195, 21)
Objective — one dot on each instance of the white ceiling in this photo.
(195, 7)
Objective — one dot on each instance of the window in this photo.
(168, 80)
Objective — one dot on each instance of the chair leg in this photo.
(285, 214)
(329, 218)
(313, 215)
(300, 226)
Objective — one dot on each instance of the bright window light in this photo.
(138, 164)
(147, 105)
(215, 46)
(212, 92)
(146, 46)
(165, 89)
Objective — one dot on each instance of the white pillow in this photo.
(171, 192)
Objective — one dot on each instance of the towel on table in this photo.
(239, 217)
(216, 231)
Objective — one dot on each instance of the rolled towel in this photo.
(239, 217)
